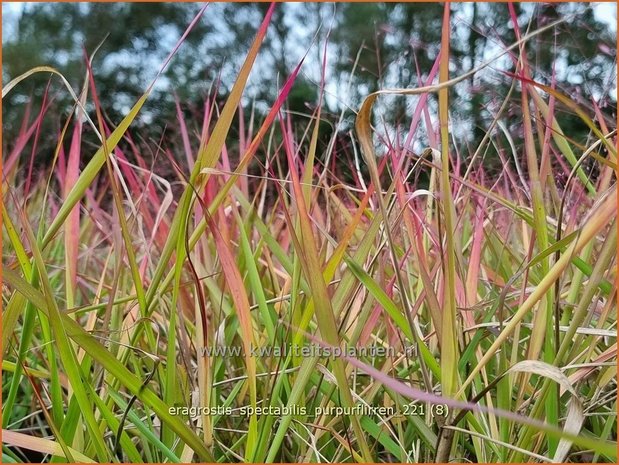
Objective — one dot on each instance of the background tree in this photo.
(393, 45)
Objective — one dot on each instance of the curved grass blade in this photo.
(99, 353)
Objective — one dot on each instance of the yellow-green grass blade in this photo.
(241, 304)
(99, 353)
(27, 330)
(381, 297)
(449, 336)
(335, 261)
(305, 372)
(602, 214)
(35, 372)
(612, 150)
(606, 255)
(207, 156)
(16, 304)
(542, 335)
(42, 445)
(127, 445)
(562, 144)
(65, 349)
(16, 243)
(254, 279)
(144, 429)
(308, 251)
(91, 170)
(97, 161)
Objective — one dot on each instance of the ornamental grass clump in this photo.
(287, 302)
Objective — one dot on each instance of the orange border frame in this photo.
(310, 1)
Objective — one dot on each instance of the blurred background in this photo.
(369, 46)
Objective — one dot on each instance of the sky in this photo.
(607, 13)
